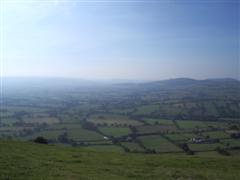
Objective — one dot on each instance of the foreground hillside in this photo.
(25, 160)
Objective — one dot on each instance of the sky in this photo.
(138, 40)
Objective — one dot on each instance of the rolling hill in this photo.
(26, 160)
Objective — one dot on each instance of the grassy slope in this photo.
(25, 160)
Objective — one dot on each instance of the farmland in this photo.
(152, 118)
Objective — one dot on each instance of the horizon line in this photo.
(116, 79)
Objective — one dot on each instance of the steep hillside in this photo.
(25, 160)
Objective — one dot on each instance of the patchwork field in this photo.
(133, 118)
(159, 144)
(113, 120)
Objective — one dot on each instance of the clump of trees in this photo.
(186, 149)
(234, 127)
(40, 140)
(222, 151)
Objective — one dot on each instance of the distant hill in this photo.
(185, 98)
(181, 98)
(187, 82)
(75, 82)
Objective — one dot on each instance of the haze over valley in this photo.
(119, 89)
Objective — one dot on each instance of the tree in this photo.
(185, 147)
(40, 140)
(222, 151)
(234, 127)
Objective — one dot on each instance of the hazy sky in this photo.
(146, 40)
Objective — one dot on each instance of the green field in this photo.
(181, 136)
(159, 144)
(217, 134)
(47, 120)
(51, 135)
(133, 147)
(231, 142)
(115, 131)
(204, 147)
(156, 129)
(27, 161)
(158, 121)
(147, 109)
(65, 126)
(83, 135)
(189, 124)
(103, 148)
